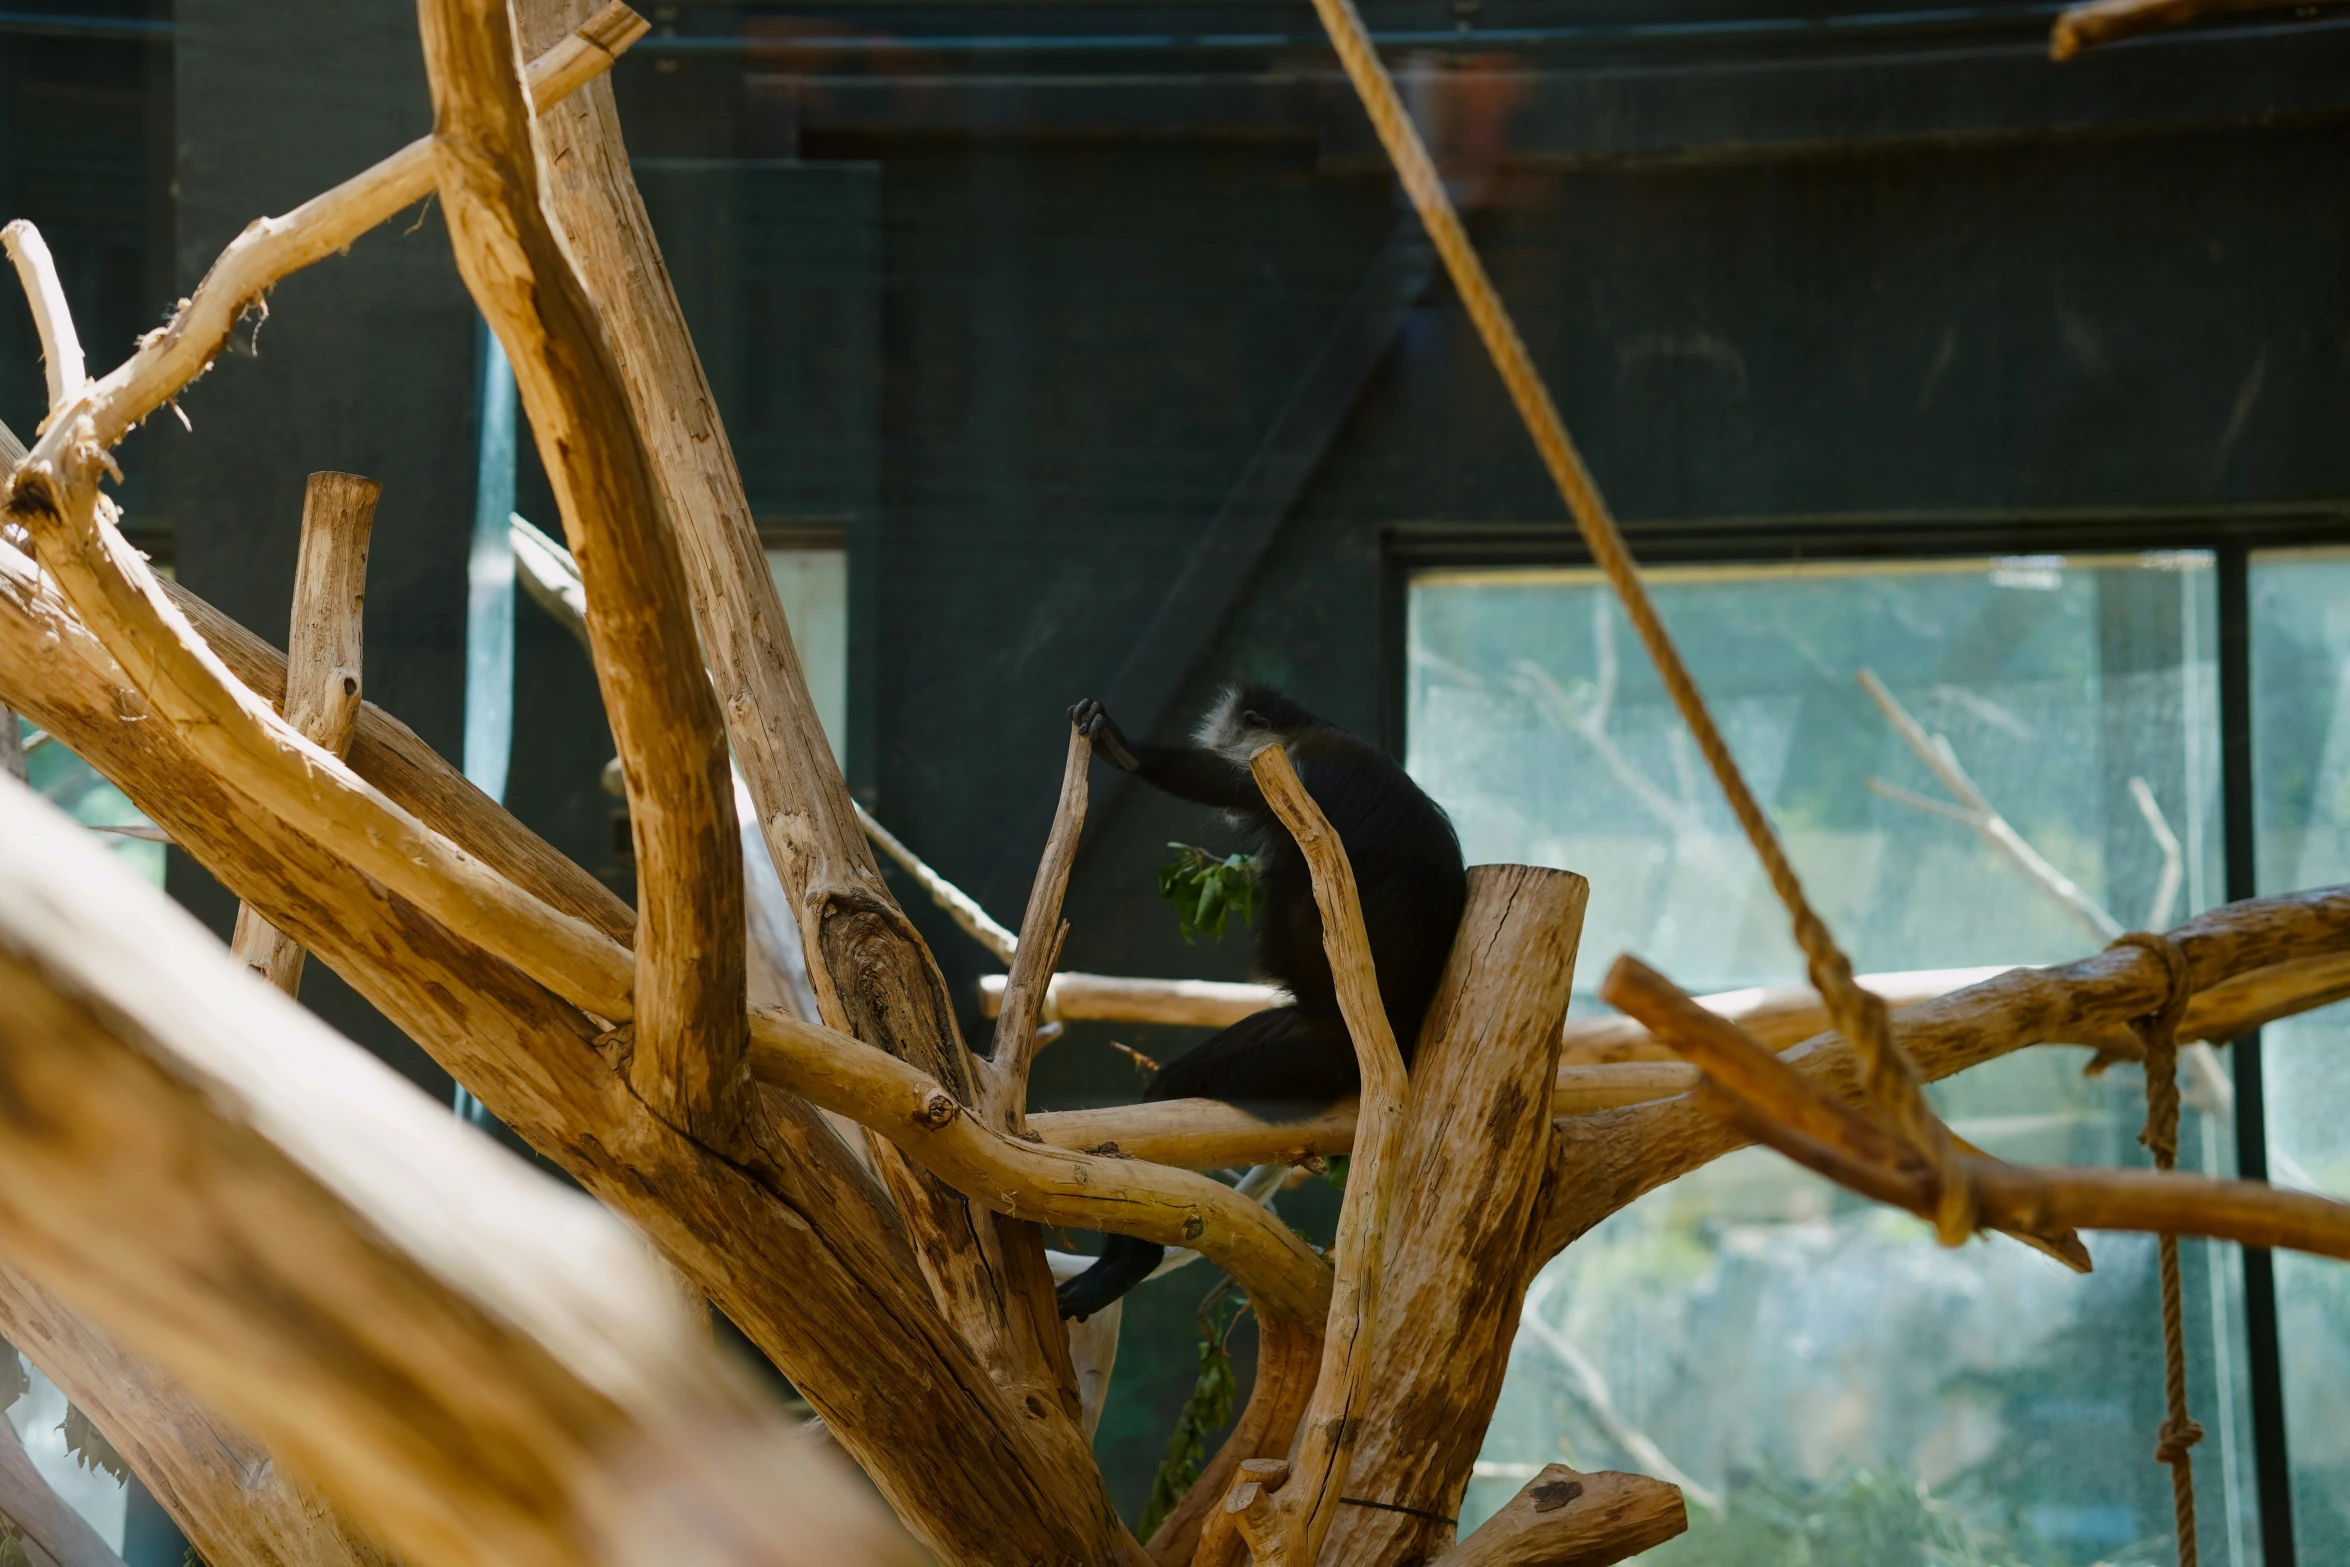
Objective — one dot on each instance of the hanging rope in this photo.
(1890, 1077)
(2158, 1032)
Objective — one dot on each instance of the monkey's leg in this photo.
(1279, 1065)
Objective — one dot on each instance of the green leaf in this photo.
(1205, 1413)
(1207, 891)
(89, 1446)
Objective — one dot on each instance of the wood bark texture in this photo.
(1565, 1519)
(477, 1362)
(235, 1504)
(855, 1332)
(1475, 1146)
(323, 661)
(688, 1044)
(873, 976)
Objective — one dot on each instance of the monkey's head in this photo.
(1245, 719)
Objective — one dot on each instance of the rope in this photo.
(2158, 1032)
(1890, 1077)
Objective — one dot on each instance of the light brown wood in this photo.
(323, 661)
(1565, 1519)
(1200, 1003)
(236, 1506)
(1198, 1134)
(1042, 932)
(873, 976)
(1034, 1181)
(1474, 1148)
(42, 1516)
(476, 1361)
(61, 348)
(1287, 1529)
(853, 1331)
(688, 1038)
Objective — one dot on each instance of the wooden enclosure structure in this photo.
(237, 1244)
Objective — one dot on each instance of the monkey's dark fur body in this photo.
(1296, 1060)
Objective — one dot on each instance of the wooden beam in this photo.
(481, 1364)
(236, 1506)
(323, 662)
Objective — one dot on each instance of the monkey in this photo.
(1297, 1060)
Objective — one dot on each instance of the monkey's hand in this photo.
(1109, 742)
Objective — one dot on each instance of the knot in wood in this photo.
(1193, 1226)
(1552, 1495)
(939, 1109)
(1108, 1151)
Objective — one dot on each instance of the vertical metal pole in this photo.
(489, 604)
(2271, 1466)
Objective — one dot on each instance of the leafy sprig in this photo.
(1207, 890)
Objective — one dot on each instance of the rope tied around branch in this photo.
(2158, 1033)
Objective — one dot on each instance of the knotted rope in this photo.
(1889, 1075)
(2158, 1033)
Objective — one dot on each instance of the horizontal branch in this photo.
(1564, 1519)
(1206, 1134)
(2109, 21)
(1028, 1180)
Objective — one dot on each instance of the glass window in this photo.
(2301, 740)
(813, 581)
(1816, 1366)
(70, 783)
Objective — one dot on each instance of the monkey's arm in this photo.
(1186, 772)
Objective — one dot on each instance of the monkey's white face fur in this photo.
(1220, 729)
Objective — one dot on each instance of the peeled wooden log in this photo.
(1204, 1134)
(236, 1507)
(479, 1363)
(1606, 1161)
(1475, 1147)
(873, 976)
(1287, 1528)
(687, 1049)
(323, 658)
(1565, 1519)
(853, 1331)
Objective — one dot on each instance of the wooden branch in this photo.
(1042, 931)
(959, 906)
(689, 990)
(1449, 1295)
(323, 659)
(1777, 1106)
(873, 976)
(854, 1330)
(1289, 1528)
(551, 577)
(61, 347)
(1205, 1134)
(2298, 939)
(2109, 21)
(1026, 1180)
(42, 1515)
(1565, 1519)
(271, 249)
(236, 1506)
(1202, 1003)
(401, 1310)
(392, 757)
